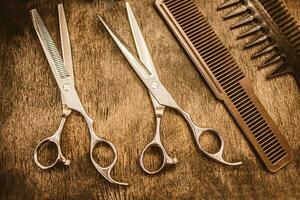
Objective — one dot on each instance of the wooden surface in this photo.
(30, 110)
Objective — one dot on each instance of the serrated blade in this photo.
(52, 54)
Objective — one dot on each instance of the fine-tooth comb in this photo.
(226, 80)
(275, 28)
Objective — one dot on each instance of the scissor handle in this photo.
(55, 139)
(197, 132)
(218, 156)
(167, 160)
(104, 171)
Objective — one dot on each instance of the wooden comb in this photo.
(226, 80)
(275, 29)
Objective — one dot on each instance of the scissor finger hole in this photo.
(210, 142)
(103, 154)
(47, 153)
(153, 158)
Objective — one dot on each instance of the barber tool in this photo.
(160, 97)
(274, 29)
(62, 69)
(226, 80)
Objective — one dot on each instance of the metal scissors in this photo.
(62, 69)
(160, 97)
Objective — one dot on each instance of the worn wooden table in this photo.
(30, 109)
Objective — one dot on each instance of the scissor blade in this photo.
(55, 61)
(153, 84)
(65, 41)
(136, 64)
(143, 53)
(140, 42)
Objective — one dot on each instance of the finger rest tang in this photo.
(218, 156)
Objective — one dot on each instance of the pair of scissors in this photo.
(161, 98)
(62, 69)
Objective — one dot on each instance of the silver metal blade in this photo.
(52, 54)
(153, 84)
(143, 53)
(65, 41)
(140, 43)
(141, 70)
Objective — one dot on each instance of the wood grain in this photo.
(30, 110)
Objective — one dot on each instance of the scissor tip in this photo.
(117, 182)
(101, 19)
(127, 4)
(60, 6)
(238, 163)
(33, 11)
(128, 7)
(104, 22)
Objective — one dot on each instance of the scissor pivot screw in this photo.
(154, 85)
(67, 87)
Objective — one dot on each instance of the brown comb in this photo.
(275, 29)
(226, 80)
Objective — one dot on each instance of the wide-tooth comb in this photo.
(226, 80)
(272, 21)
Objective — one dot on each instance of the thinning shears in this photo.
(160, 97)
(62, 69)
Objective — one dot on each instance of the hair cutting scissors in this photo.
(62, 69)
(160, 97)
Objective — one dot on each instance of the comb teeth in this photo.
(206, 41)
(46, 39)
(226, 79)
(244, 21)
(228, 4)
(256, 41)
(238, 11)
(266, 49)
(254, 29)
(284, 21)
(274, 21)
(271, 60)
(280, 70)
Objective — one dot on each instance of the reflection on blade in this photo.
(140, 41)
(136, 64)
(49, 47)
(65, 41)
